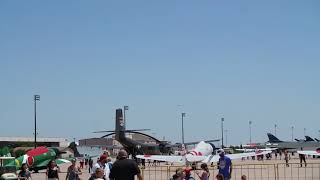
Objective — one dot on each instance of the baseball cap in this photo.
(187, 170)
(103, 157)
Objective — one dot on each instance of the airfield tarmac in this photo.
(253, 169)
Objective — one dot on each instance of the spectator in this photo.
(24, 173)
(205, 172)
(224, 165)
(90, 165)
(98, 174)
(219, 177)
(124, 169)
(187, 173)
(101, 163)
(73, 172)
(243, 177)
(302, 157)
(52, 171)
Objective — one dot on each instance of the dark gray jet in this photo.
(274, 142)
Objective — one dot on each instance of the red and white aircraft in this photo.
(203, 152)
(310, 153)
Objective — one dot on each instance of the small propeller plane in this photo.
(38, 159)
(203, 152)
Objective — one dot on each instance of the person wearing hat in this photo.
(224, 165)
(187, 174)
(73, 171)
(124, 168)
(100, 164)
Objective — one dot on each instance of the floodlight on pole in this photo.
(35, 98)
(292, 133)
(125, 108)
(182, 128)
(222, 120)
(226, 135)
(250, 122)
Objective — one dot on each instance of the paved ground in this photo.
(255, 170)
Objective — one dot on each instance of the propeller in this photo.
(130, 130)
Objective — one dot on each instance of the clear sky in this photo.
(243, 60)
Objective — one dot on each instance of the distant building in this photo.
(29, 141)
(96, 142)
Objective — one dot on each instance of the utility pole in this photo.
(304, 131)
(275, 129)
(250, 122)
(182, 128)
(222, 120)
(35, 98)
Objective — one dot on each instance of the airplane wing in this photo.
(309, 153)
(193, 158)
(192, 143)
(215, 158)
(43, 163)
(62, 161)
(177, 159)
(46, 162)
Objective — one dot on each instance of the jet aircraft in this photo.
(274, 142)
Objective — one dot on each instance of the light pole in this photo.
(226, 134)
(275, 129)
(319, 133)
(182, 135)
(125, 108)
(222, 120)
(292, 133)
(35, 98)
(250, 122)
(304, 131)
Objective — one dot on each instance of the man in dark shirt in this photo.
(124, 169)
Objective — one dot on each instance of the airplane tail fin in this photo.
(120, 125)
(272, 138)
(308, 138)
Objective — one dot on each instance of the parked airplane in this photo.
(38, 159)
(274, 142)
(203, 152)
(135, 147)
(308, 138)
(310, 153)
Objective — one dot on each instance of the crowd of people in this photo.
(126, 169)
(224, 166)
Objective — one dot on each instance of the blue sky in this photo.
(243, 60)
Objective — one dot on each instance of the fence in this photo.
(252, 171)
